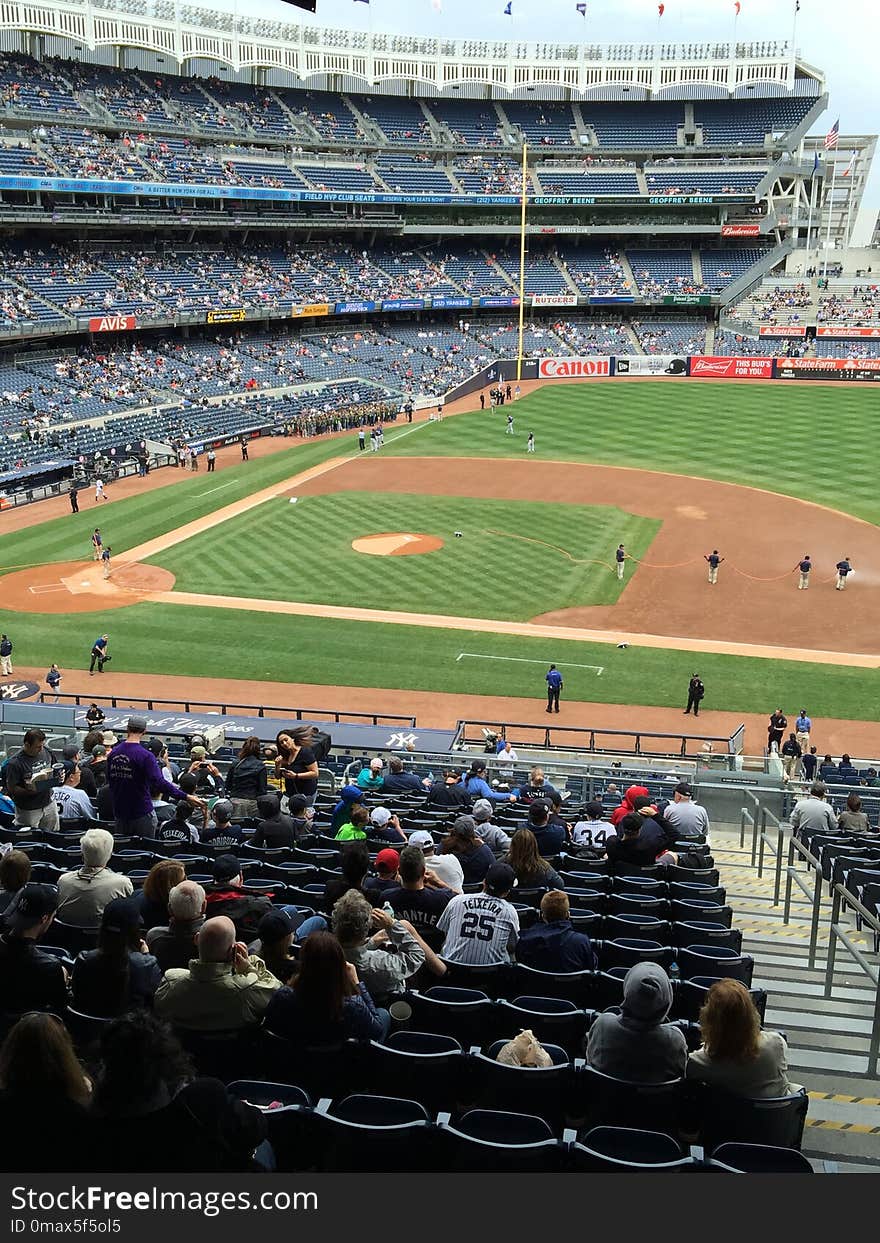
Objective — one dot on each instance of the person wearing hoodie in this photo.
(634, 1041)
(490, 834)
(349, 796)
(476, 785)
(627, 805)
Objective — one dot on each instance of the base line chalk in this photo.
(524, 660)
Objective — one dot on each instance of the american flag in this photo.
(832, 136)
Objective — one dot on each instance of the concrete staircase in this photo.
(827, 1037)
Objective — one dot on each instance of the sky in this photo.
(840, 37)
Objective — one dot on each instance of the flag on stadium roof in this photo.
(738, 7)
(508, 9)
(362, 1)
(850, 166)
(832, 136)
(797, 6)
(661, 9)
(437, 6)
(815, 162)
(582, 9)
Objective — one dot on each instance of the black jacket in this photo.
(244, 909)
(246, 778)
(29, 979)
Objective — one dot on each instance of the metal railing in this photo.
(607, 741)
(813, 895)
(776, 848)
(842, 897)
(233, 709)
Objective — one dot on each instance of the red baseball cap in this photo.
(388, 860)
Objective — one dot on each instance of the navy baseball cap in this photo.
(500, 878)
(32, 903)
(274, 925)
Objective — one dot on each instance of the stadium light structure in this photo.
(308, 5)
(522, 257)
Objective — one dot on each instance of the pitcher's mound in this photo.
(80, 587)
(396, 544)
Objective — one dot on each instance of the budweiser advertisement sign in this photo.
(573, 368)
(112, 323)
(740, 230)
(554, 299)
(773, 330)
(851, 334)
(738, 368)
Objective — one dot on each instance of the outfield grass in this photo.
(164, 638)
(806, 440)
(303, 552)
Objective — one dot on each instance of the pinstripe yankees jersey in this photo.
(479, 929)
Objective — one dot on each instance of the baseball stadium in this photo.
(415, 450)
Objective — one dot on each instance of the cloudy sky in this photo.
(839, 36)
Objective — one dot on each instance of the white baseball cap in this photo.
(421, 838)
(380, 816)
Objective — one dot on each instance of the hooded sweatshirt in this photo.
(627, 805)
(348, 796)
(633, 1041)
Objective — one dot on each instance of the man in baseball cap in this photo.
(226, 896)
(134, 774)
(445, 867)
(385, 827)
(494, 837)
(482, 928)
(29, 978)
(387, 862)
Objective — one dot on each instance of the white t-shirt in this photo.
(73, 803)
(447, 869)
(480, 930)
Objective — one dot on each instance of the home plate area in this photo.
(80, 587)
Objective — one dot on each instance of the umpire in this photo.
(696, 691)
(554, 682)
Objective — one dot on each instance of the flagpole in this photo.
(830, 213)
(522, 259)
(852, 181)
(810, 214)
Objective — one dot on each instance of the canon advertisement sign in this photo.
(732, 368)
(573, 368)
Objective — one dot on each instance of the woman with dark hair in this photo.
(15, 871)
(120, 974)
(325, 1003)
(354, 866)
(42, 1085)
(246, 779)
(297, 763)
(532, 872)
(152, 899)
(736, 1054)
(473, 854)
(153, 1114)
(851, 820)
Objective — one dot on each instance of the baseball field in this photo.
(318, 565)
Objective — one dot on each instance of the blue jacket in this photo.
(554, 678)
(556, 946)
(476, 787)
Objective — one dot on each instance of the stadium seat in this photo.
(701, 912)
(225, 1055)
(577, 987)
(488, 1141)
(372, 1134)
(422, 1066)
(626, 926)
(700, 960)
(604, 1100)
(759, 1159)
(627, 951)
(493, 979)
(466, 1014)
(609, 1149)
(689, 997)
(552, 1019)
(541, 1090)
(640, 886)
(633, 904)
(777, 1121)
(706, 933)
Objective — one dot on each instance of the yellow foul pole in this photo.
(522, 259)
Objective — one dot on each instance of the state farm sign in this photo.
(852, 334)
(775, 330)
(112, 323)
(732, 368)
(573, 368)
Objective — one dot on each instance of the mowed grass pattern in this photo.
(303, 552)
(806, 440)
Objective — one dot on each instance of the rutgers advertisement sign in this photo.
(112, 323)
(554, 299)
(572, 368)
(740, 230)
(713, 368)
(862, 369)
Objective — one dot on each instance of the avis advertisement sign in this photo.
(740, 230)
(573, 368)
(112, 323)
(774, 330)
(738, 368)
(554, 299)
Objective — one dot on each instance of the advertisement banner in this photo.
(775, 330)
(231, 315)
(610, 299)
(310, 308)
(650, 364)
(573, 368)
(403, 304)
(714, 368)
(861, 369)
(554, 299)
(842, 332)
(112, 323)
(740, 230)
(354, 308)
(498, 302)
(452, 304)
(686, 299)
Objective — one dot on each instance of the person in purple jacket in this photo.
(133, 775)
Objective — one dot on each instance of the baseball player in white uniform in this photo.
(482, 928)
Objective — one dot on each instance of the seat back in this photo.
(700, 932)
(611, 1148)
(489, 1141)
(605, 1100)
(627, 951)
(699, 960)
(760, 1159)
(777, 1121)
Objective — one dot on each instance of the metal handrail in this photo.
(229, 709)
(775, 849)
(568, 733)
(793, 876)
(842, 897)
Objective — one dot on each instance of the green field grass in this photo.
(766, 436)
(280, 551)
(220, 643)
(805, 440)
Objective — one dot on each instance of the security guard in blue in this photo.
(553, 679)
